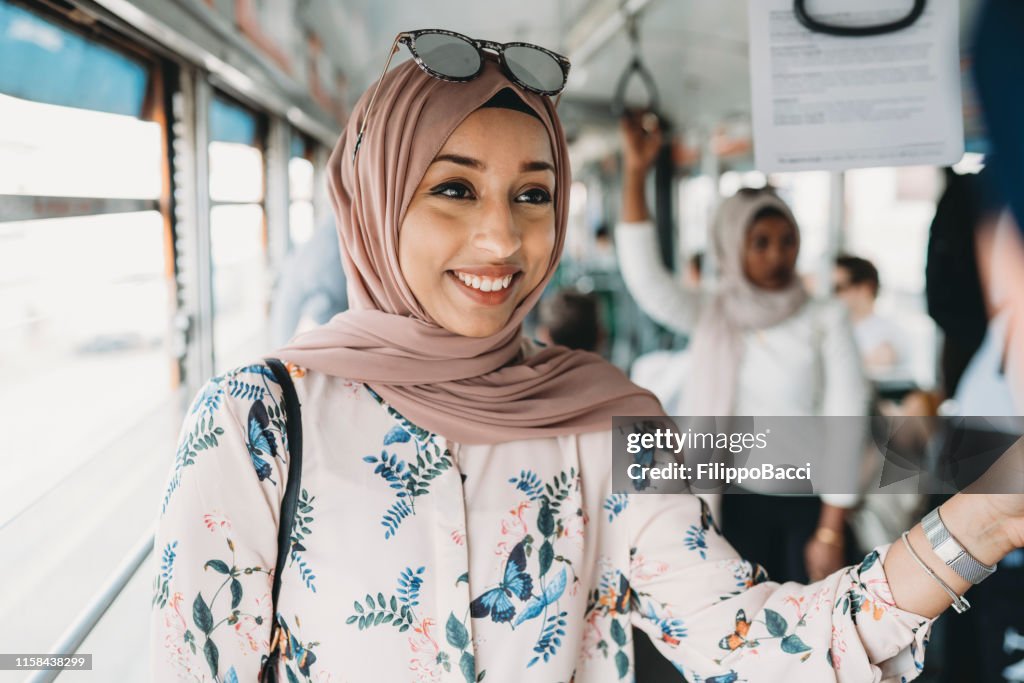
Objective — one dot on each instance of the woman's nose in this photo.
(497, 233)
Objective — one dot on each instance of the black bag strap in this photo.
(289, 505)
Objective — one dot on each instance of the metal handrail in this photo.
(80, 628)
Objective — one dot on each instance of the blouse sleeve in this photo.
(216, 539)
(719, 619)
(650, 283)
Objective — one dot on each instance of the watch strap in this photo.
(951, 552)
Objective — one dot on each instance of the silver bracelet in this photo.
(960, 603)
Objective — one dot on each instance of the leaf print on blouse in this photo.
(729, 677)
(609, 603)
(161, 584)
(746, 574)
(203, 611)
(408, 479)
(300, 529)
(695, 541)
(615, 503)
(776, 626)
(672, 629)
(265, 426)
(458, 637)
(398, 610)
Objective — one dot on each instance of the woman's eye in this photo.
(535, 196)
(452, 190)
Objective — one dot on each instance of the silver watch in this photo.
(951, 552)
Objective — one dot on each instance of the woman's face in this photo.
(478, 234)
(769, 253)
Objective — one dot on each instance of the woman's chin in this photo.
(469, 325)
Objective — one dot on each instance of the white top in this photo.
(418, 559)
(809, 364)
(871, 333)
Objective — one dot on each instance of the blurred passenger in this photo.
(855, 282)
(952, 283)
(694, 270)
(998, 60)
(604, 250)
(761, 346)
(993, 382)
(311, 288)
(571, 318)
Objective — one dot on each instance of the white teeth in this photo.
(485, 284)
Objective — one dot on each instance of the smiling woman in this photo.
(455, 517)
(479, 235)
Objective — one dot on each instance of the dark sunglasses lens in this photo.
(448, 55)
(535, 68)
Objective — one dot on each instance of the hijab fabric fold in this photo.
(737, 307)
(479, 390)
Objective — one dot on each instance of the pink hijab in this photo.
(737, 307)
(473, 390)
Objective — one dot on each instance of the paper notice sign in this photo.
(822, 102)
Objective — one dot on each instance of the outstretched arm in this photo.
(652, 286)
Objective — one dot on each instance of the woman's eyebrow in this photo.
(525, 167)
(461, 160)
(537, 166)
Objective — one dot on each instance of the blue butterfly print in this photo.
(261, 440)
(516, 582)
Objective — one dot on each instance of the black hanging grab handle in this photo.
(637, 68)
(800, 10)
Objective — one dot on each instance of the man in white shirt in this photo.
(855, 282)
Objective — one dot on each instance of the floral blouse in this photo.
(414, 558)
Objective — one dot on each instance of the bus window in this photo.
(238, 244)
(87, 291)
(301, 223)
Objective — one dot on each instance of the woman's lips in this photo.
(486, 298)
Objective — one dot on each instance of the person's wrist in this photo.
(824, 534)
(978, 527)
(635, 171)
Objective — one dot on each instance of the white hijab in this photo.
(736, 308)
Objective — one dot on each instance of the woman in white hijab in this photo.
(760, 345)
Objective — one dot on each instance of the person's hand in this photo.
(999, 493)
(1008, 511)
(821, 558)
(641, 140)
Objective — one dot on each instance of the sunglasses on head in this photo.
(454, 57)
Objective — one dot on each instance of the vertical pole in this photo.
(190, 146)
(322, 210)
(710, 166)
(836, 229)
(277, 191)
